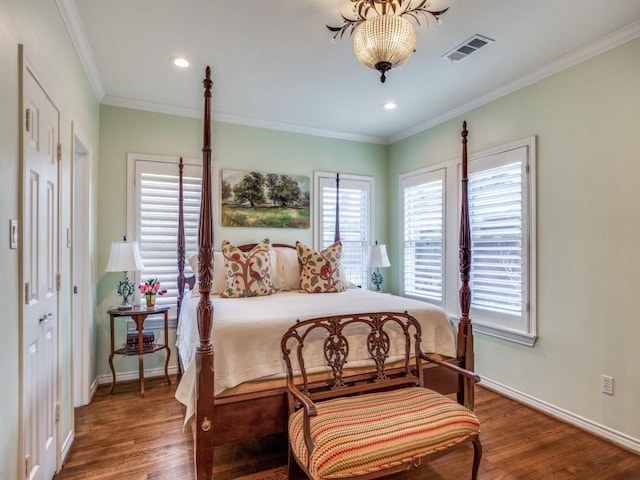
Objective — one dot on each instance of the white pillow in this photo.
(288, 268)
(219, 273)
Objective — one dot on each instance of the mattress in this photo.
(246, 333)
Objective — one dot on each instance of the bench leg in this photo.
(477, 456)
(294, 472)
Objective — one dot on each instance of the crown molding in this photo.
(237, 120)
(75, 29)
(593, 49)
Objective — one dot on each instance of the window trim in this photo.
(317, 233)
(451, 281)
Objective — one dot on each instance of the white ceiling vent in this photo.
(467, 48)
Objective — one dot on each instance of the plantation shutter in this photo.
(423, 235)
(355, 223)
(156, 225)
(497, 210)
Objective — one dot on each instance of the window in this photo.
(153, 202)
(356, 226)
(502, 217)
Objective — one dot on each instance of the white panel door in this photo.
(40, 291)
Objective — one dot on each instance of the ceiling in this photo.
(274, 64)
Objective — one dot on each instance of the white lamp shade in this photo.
(124, 257)
(379, 258)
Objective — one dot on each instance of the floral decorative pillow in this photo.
(320, 271)
(247, 274)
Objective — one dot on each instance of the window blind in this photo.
(496, 216)
(423, 237)
(156, 199)
(355, 224)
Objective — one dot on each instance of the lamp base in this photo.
(376, 279)
(125, 290)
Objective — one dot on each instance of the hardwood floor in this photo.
(123, 436)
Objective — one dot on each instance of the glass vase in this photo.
(151, 299)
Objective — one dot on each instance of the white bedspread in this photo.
(246, 332)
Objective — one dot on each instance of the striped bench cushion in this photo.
(376, 431)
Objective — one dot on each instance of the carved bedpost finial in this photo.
(207, 82)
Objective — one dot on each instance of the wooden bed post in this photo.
(204, 430)
(336, 235)
(181, 241)
(181, 250)
(465, 329)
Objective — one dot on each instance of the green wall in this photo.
(586, 121)
(38, 25)
(125, 131)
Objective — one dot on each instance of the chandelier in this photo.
(382, 37)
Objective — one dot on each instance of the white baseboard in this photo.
(621, 439)
(133, 375)
(94, 389)
(66, 447)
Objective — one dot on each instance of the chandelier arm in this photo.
(413, 12)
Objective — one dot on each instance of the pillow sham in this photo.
(287, 267)
(320, 271)
(247, 274)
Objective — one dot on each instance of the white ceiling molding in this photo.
(288, 127)
(74, 26)
(608, 42)
(237, 120)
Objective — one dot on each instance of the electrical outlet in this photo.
(607, 384)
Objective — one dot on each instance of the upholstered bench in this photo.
(371, 424)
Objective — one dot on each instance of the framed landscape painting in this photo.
(266, 200)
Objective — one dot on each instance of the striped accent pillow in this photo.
(376, 431)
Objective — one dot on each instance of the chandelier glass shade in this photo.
(384, 42)
(382, 37)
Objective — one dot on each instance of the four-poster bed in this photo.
(231, 416)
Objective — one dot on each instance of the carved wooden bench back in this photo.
(338, 335)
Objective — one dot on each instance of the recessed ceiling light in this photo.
(180, 62)
(390, 105)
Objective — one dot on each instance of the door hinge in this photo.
(27, 465)
(59, 152)
(58, 281)
(58, 412)
(27, 120)
(27, 293)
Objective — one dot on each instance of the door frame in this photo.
(82, 325)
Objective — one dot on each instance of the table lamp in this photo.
(378, 259)
(124, 257)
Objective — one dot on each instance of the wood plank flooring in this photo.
(123, 436)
